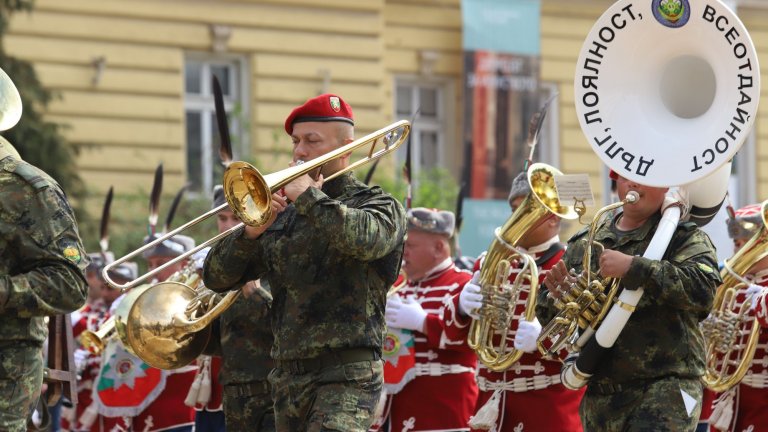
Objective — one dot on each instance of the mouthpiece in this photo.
(632, 197)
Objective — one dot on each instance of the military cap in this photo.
(173, 247)
(520, 187)
(613, 175)
(126, 271)
(99, 260)
(745, 222)
(218, 196)
(432, 221)
(323, 108)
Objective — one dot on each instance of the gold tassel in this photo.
(487, 415)
(722, 414)
(89, 416)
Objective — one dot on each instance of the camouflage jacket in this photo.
(330, 258)
(662, 337)
(43, 260)
(246, 339)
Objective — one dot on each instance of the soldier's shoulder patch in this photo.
(705, 267)
(72, 252)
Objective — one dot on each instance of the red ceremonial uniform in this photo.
(442, 395)
(531, 396)
(750, 410)
(216, 402)
(166, 413)
(89, 317)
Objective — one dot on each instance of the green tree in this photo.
(436, 188)
(40, 142)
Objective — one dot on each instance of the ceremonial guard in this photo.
(744, 406)
(439, 391)
(528, 396)
(131, 395)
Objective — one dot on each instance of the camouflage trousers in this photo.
(249, 407)
(336, 398)
(655, 406)
(21, 377)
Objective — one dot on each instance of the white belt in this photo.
(756, 380)
(438, 369)
(518, 385)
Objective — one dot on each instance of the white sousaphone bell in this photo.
(666, 92)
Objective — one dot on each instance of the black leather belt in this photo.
(326, 360)
(256, 388)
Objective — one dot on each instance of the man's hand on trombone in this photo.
(278, 204)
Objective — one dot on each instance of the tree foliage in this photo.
(39, 141)
(436, 188)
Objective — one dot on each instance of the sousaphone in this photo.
(666, 93)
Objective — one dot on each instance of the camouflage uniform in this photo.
(42, 265)
(330, 258)
(246, 338)
(661, 350)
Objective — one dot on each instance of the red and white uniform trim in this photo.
(533, 398)
(442, 395)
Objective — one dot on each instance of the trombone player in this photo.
(650, 380)
(330, 257)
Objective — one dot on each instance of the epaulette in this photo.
(32, 175)
(687, 225)
(579, 233)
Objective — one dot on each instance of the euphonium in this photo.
(730, 334)
(587, 299)
(500, 297)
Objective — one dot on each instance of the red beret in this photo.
(613, 175)
(323, 108)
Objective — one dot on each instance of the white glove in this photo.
(81, 359)
(199, 257)
(405, 314)
(527, 333)
(471, 298)
(753, 294)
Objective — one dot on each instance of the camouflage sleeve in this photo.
(46, 246)
(686, 280)
(368, 232)
(233, 261)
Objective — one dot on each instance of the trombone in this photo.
(154, 322)
(249, 193)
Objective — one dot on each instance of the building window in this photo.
(204, 167)
(428, 138)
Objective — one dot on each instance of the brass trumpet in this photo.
(157, 324)
(730, 334)
(587, 300)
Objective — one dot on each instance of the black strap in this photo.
(552, 251)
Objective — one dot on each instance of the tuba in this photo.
(730, 334)
(500, 298)
(660, 114)
(162, 324)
